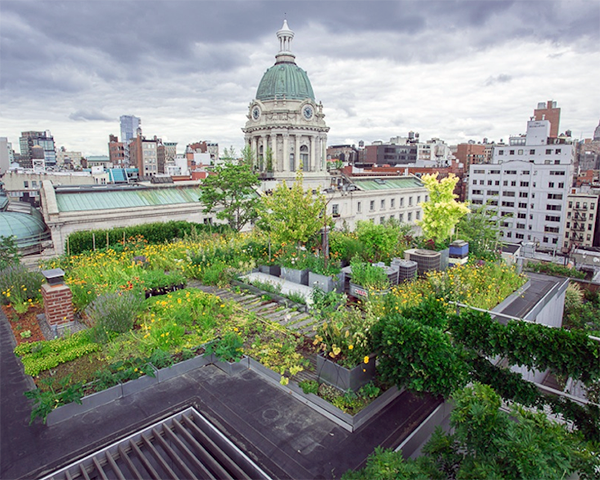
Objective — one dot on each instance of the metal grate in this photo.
(183, 446)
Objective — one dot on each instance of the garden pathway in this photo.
(294, 320)
(268, 309)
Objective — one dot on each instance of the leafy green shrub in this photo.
(82, 241)
(40, 356)
(160, 279)
(345, 246)
(417, 356)
(17, 284)
(379, 240)
(114, 313)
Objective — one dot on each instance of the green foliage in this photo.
(487, 443)
(18, 285)
(9, 252)
(44, 355)
(345, 246)
(431, 312)
(418, 357)
(511, 386)
(228, 348)
(349, 402)
(309, 386)
(566, 353)
(554, 269)
(155, 278)
(292, 215)
(46, 400)
(369, 276)
(345, 336)
(441, 212)
(230, 192)
(379, 240)
(114, 313)
(481, 228)
(153, 233)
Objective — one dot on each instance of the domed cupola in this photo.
(285, 79)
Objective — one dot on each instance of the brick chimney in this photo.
(58, 305)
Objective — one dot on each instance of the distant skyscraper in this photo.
(28, 140)
(129, 126)
(549, 111)
(5, 155)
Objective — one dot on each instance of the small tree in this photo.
(481, 228)
(231, 191)
(292, 215)
(9, 252)
(441, 212)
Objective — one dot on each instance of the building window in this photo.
(381, 219)
(553, 207)
(532, 151)
(513, 183)
(550, 184)
(561, 185)
(521, 226)
(418, 199)
(392, 203)
(409, 216)
(335, 209)
(511, 152)
(382, 205)
(554, 218)
(522, 205)
(418, 216)
(358, 206)
(523, 194)
(26, 184)
(477, 192)
(520, 151)
(548, 151)
(520, 236)
(521, 215)
(508, 194)
(509, 234)
(557, 151)
(400, 217)
(555, 196)
(401, 201)
(524, 184)
(409, 201)
(372, 205)
(505, 183)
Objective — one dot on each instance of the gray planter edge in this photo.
(231, 368)
(89, 402)
(98, 399)
(328, 370)
(343, 419)
(329, 281)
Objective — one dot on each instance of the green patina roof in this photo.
(387, 183)
(28, 229)
(285, 80)
(73, 202)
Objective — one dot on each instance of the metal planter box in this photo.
(358, 291)
(182, 367)
(326, 283)
(231, 368)
(274, 270)
(296, 276)
(345, 378)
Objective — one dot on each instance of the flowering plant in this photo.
(346, 337)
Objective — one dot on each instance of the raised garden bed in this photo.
(294, 275)
(327, 283)
(345, 378)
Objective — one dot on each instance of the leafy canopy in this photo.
(230, 192)
(441, 212)
(293, 215)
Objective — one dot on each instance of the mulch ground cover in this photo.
(24, 324)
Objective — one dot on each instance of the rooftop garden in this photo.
(141, 312)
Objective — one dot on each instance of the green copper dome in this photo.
(285, 80)
(27, 229)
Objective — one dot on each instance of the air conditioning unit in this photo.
(407, 269)
(427, 260)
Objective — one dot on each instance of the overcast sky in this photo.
(456, 70)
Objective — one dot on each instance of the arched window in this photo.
(303, 157)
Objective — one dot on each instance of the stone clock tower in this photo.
(286, 128)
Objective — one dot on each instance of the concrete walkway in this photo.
(286, 286)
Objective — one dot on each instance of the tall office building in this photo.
(5, 155)
(28, 140)
(129, 126)
(528, 182)
(549, 111)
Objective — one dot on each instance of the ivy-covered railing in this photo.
(566, 353)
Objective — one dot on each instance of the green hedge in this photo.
(153, 233)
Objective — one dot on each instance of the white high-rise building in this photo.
(528, 181)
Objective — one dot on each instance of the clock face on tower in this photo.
(307, 111)
(256, 112)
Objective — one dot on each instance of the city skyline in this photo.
(458, 71)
